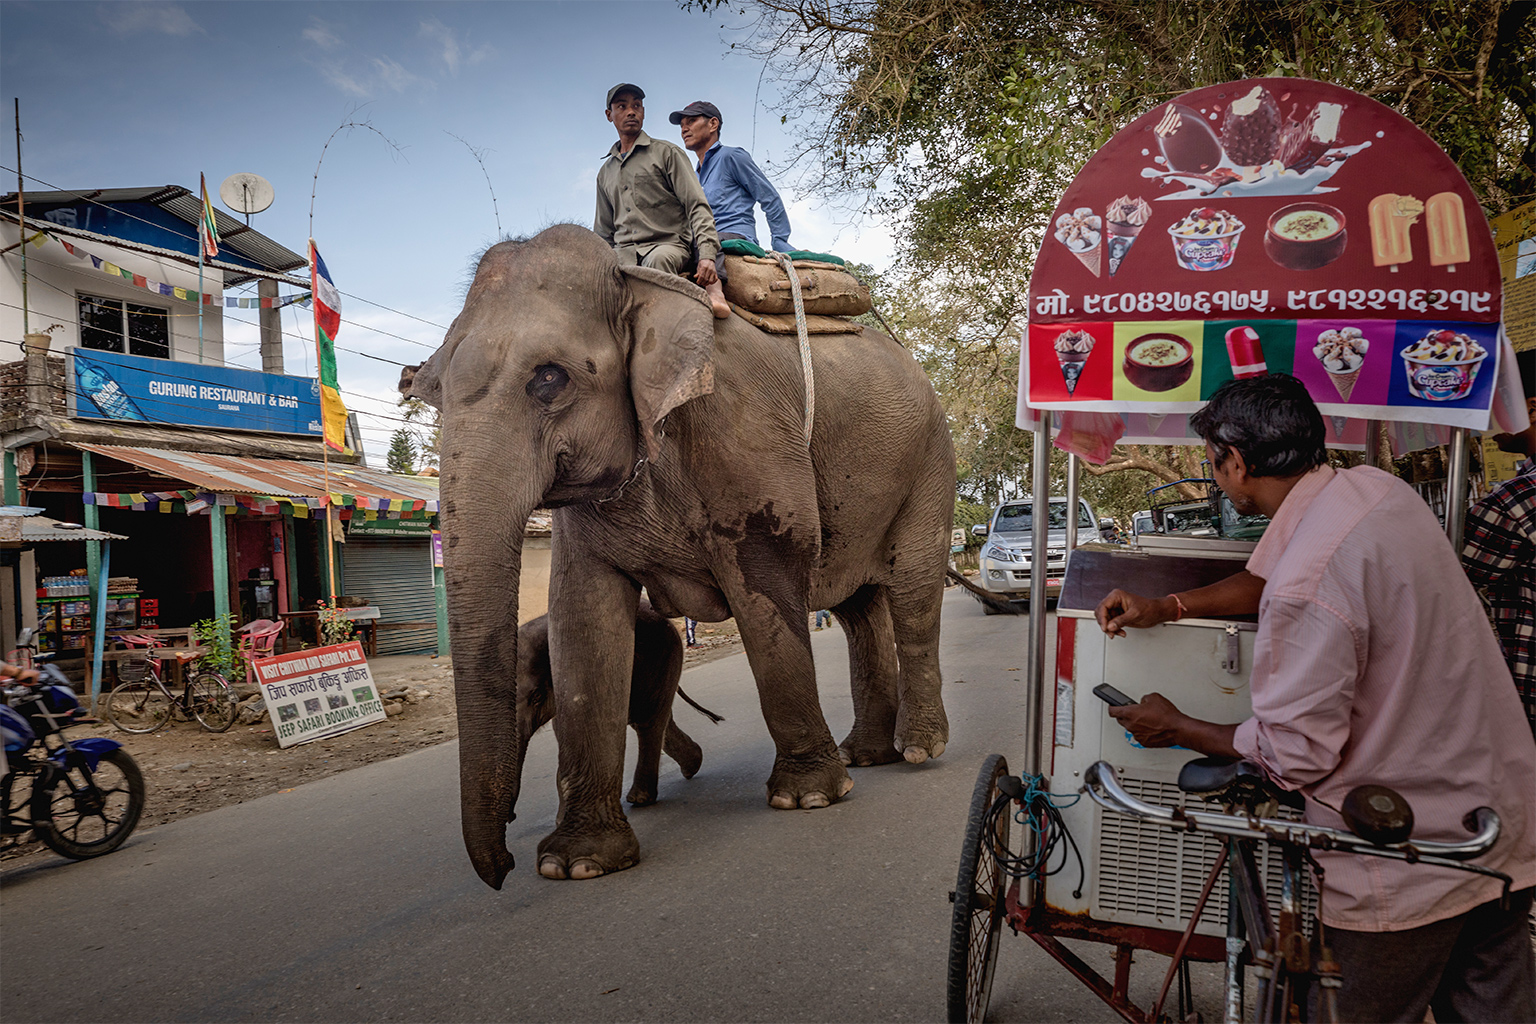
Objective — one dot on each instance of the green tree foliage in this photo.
(426, 429)
(402, 452)
(963, 121)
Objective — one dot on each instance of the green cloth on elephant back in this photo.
(819, 257)
(743, 247)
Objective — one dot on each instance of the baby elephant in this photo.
(658, 666)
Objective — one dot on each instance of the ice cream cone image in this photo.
(1081, 231)
(1124, 220)
(1344, 383)
(1342, 353)
(1072, 350)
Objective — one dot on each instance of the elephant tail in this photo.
(1005, 607)
(717, 719)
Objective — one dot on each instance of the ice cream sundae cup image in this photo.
(1342, 353)
(1206, 239)
(1305, 236)
(1442, 366)
(1081, 231)
(1159, 362)
(1072, 350)
(1125, 218)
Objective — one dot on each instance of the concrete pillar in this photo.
(39, 394)
(271, 327)
(92, 519)
(219, 539)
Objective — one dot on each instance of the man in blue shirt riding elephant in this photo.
(732, 182)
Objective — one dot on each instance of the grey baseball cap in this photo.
(623, 87)
(698, 108)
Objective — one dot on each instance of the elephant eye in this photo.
(547, 383)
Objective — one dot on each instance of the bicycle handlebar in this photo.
(1483, 822)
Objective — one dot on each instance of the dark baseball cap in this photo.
(698, 108)
(624, 87)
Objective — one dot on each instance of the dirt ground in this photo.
(188, 770)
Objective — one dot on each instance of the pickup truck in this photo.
(1005, 557)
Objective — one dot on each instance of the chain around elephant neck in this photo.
(640, 461)
(805, 342)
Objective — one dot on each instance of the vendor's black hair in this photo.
(1271, 420)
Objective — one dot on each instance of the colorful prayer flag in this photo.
(208, 227)
(333, 414)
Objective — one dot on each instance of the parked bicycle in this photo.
(1288, 963)
(86, 795)
(142, 703)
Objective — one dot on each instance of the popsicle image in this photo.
(1246, 353)
(1391, 217)
(1446, 220)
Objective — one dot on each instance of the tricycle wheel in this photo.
(978, 898)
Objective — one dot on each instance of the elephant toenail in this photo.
(549, 867)
(814, 800)
(585, 869)
(915, 754)
(844, 756)
(782, 801)
(938, 748)
(847, 788)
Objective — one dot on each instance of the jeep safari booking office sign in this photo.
(318, 693)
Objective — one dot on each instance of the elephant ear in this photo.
(671, 355)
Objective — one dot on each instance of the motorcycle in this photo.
(86, 795)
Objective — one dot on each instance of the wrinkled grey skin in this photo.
(658, 666)
(561, 371)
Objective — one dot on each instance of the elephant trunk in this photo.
(483, 548)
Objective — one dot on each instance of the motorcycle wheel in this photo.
(79, 814)
(214, 703)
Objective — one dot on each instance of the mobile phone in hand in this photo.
(1111, 696)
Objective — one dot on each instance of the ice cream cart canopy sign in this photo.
(1269, 225)
(113, 386)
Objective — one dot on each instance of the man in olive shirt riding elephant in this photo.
(650, 205)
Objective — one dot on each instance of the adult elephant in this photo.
(670, 447)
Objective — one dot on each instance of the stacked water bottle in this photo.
(67, 586)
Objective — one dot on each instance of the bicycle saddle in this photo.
(1243, 781)
(1378, 815)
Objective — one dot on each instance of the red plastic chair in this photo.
(258, 640)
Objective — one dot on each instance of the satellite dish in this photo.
(246, 193)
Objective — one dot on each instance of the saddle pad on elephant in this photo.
(777, 323)
(759, 283)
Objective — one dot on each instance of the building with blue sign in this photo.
(118, 409)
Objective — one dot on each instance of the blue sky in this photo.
(134, 94)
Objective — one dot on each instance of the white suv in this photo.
(1005, 557)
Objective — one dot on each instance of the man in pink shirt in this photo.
(1373, 663)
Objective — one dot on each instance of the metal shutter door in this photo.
(395, 576)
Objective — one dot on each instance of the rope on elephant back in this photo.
(805, 342)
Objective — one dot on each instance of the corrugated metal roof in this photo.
(231, 474)
(185, 205)
(37, 529)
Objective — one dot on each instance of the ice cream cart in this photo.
(1262, 226)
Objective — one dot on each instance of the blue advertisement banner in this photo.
(112, 386)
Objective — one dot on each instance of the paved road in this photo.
(350, 899)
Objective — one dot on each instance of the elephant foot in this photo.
(681, 748)
(640, 795)
(860, 752)
(565, 855)
(797, 784)
(920, 737)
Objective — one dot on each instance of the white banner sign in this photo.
(317, 693)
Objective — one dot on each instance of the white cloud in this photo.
(392, 76)
(319, 33)
(165, 19)
(449, 49)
